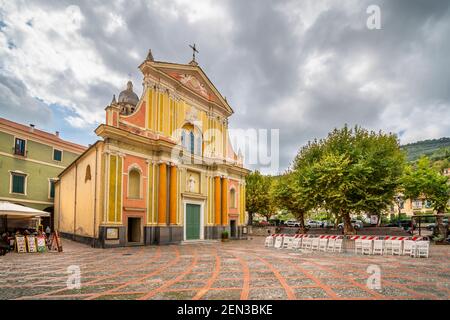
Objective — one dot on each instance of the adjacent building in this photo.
(30, 162)
(163, 170)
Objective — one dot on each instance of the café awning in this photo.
(12, 210)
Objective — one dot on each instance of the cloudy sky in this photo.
(303, 66)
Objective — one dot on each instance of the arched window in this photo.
(191, 139)
(232, 198)
(134, 184)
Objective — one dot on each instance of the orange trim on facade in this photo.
(217, 211)
(173, 195)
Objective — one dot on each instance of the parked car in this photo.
(405, 224)
(357, 224)
(431, 226)
(327, 224)
(292, 223)
(314, 224)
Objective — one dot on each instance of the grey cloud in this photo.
(16, 103)
(260, 64)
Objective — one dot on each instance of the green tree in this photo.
(257, 195)
(351, 171)
(288, 195)
(422, 180)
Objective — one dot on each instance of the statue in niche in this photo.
(191, 183)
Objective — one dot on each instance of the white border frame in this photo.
(25, 188)
(50, 180)
(53, 155)
(202, 218)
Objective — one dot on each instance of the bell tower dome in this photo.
(128, 100)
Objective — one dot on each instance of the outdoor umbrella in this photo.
(16, 211)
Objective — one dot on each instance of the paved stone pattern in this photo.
(233, 270)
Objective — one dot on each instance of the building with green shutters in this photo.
(30, 162)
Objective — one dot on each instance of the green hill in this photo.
(435, 149)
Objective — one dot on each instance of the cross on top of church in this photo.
(194, 50)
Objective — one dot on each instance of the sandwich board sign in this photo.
(41, 245)
(55, 242)
(31, 243)
(21, 246)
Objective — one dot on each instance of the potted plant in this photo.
(225, 236)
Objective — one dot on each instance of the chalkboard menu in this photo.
(41, 245)
(31, 242)
(21, 246)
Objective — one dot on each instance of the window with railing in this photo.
(19, 147)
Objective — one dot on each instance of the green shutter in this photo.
(57, 155)
(18, 182)
(52, 189)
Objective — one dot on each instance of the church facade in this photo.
(164, 170)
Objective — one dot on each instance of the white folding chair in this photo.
(269, 241)
(315, 244)
(397, 247)
(422, 249)
(330, 247)
(388, 246)
(358, 245)
(367, 247)
(278, 242)
(296, 243)
(287, 242)
(408, 247)
(307, 243)
(378, 247)
(338, 245)
(323, 245)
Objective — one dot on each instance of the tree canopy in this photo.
(258, 195)
(351, 171)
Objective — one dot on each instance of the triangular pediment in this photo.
(193, 78)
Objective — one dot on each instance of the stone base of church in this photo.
(213, 232)
(153, 235)
(163, 235)
(112, 243)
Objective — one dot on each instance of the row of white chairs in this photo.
(363, 246)
(393, 247)
(307, 244)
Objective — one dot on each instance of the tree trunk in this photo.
(348, 228)
(250, 219)
(301, 219)
(441, 230)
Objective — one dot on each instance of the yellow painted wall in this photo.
(76, 215)
(66, 202)
(165, 115)
(85, 194)
(152, 186)
(114, 192)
